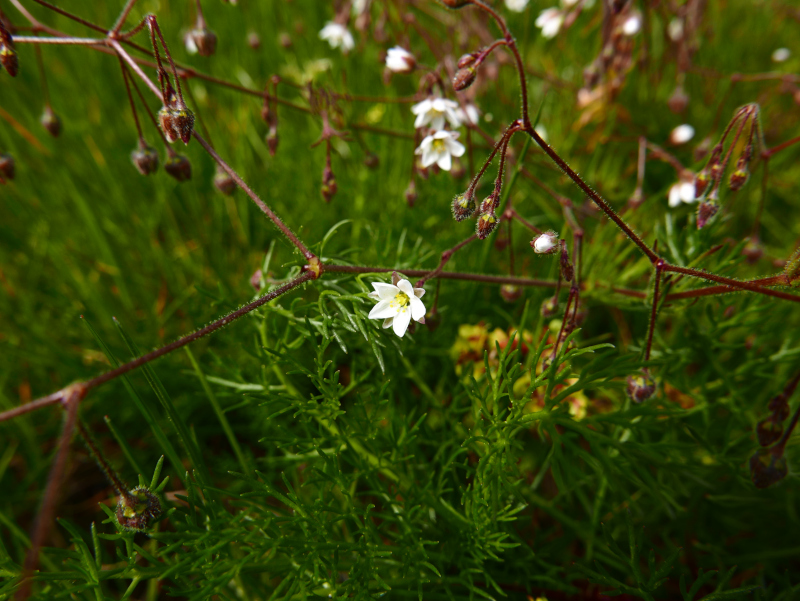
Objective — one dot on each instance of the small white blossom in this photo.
(397, 305)
(632, 24)
(439, 148)
(675, 29)
(188, 41)
(781, 54)
(550, 21)
(337, 36)
(516, 6)
(545, 243)
(679, 192)
(469, 114)
(400, 60)
(434, 111)
(681, 134)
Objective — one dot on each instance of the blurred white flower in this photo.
(400, 60)
(469, 114)
(434, 111)
(681, 134)
(360, 6)
(550, 21)
(545, 243)
(682, 191)
(781, 54)
(439, 148)
(517, 6)
(632, 24)
(337, 36)
(397, 305)
(675, 29)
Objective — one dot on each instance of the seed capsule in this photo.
(487, 223)
(463, 206)
(510, 293)
(769, 431)
(179, 167)
(224, 182)
(145, 159)
(705, 211)
(137, 508)
(51, 122)
(202, 41)
(176, 123)
(464, 78)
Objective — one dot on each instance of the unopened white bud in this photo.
(545, 243)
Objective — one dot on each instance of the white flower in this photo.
(438, 149)
(632, 24)
(681, 134)
(516, 6)
(469, 114)
(675, 30)
(337, 36)
(400, 60)
(550, 21)
(397, 305)
(679, 192)
(434, 111)
(545, 243)
(781, 54)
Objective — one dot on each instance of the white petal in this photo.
(437, 120)
(674, 199)
(385, 291)
(374, 295)
(401, 321)
(417, 308)
(387, 323)
(405, 286)
(444, 161)
(421, 107)
(429, 157)
(687, 191)
(456, 148)
(419, 292)
(421, 120)
(383, 310)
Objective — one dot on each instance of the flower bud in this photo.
(779, 407)
(176, 123)
(706, 210)
(145, 158)
(463, 206)
(741, 173)
(641, 386)
(767, 468)
(202, 41)
(464, 78)
(137, 508)
(714, 165)
(329, 186)
(371, 161)
(8, 54)
(753, 250)
(400, 60)
(224, 182)
(549, 307)
(285, 40)
(701, 181)
(6, 166)
(679, 100)
(253, 40)
(467, 60)
(546, 243)
(51, 122)
(510, 293)
(411, 193)
(769, 431)
(179, 167)
(272, 140)
(487, 223)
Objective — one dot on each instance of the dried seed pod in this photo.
(510, 293)
(8, 54)
(137, 508)
(767, 468)
(179, 167)
(224, 182)
(145, 158)
(463, 206)
(51, 122)
(176, 123)
(7, 169)
(641, 386)
(487, 223)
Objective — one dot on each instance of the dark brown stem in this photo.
(779, 447)
(445, 275)
(768, 153)
(711, 277)
(513, 213)
(109, 472)
(500, 144)
(654, 311)
(153, 24)
(130, 98)
(121, 19)
(570, 297)
(69, 15)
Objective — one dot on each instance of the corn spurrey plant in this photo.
(581, 410)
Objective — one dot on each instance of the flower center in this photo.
(401, 298)
(438, 145)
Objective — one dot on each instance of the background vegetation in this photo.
(311, 453)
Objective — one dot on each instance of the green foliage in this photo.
(310, 452)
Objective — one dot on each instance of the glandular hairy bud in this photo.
(7, 169)
(767, 468)
(8, 54)
(467, 60)
(176, 123)
(707, 208)
(714, 165)
(456, 3)
(463, 206)
(546, 243)
(464, 78)
(510, 293)
(137, 508)
(145, 158)
(741, 173)
(51, 122)
(202, 41)
(487, 223)
(179, 167)
(701, 181)
(641, 386)
(224, 182)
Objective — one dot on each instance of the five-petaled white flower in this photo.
(439, 147)
(337, 36)
(434, 111)
(516, 6)
(550, 21)
(400, 60)
(397, 305)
